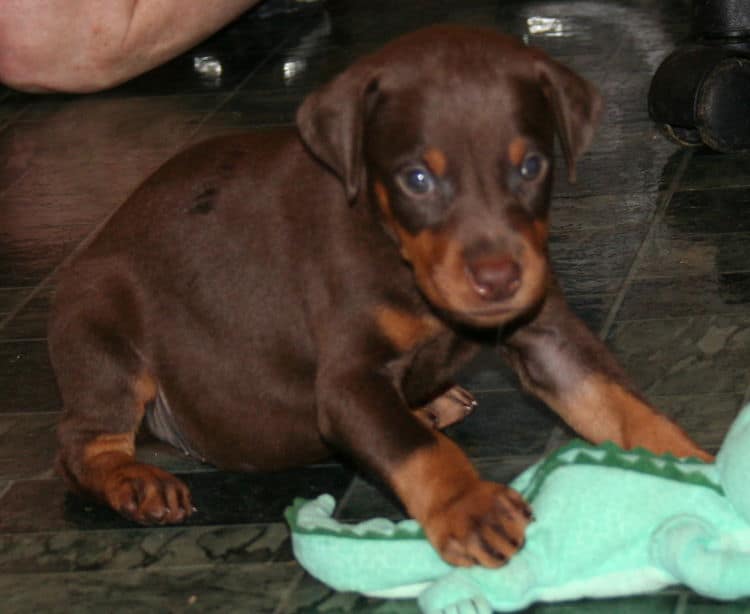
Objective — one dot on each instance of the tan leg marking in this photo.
(121, 444)
(140, 492)
(468, 520)
(600, 410)
(145, 388)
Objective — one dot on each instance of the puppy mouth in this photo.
(475, 311)
(483, 288)
(465, 303)
(491, 315)
(490, 311)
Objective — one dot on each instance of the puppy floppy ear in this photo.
(331, 122)
(577, 106)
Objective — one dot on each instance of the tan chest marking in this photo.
(406, 330)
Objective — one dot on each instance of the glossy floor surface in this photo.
(652, 246)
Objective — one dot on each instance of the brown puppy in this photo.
(266, 299)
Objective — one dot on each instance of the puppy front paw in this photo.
(452, 406)
(484, 525)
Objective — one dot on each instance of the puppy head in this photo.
(450, 130)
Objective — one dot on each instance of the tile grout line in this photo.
(47, 279)
(294, 583)
(21, 304)
(557, 436)
(5, 124)
(114, 572)
(344, 500)
(681, 606)
(640, 254)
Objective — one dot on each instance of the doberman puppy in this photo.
(267, 299)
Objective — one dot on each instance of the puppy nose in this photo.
(495, 278)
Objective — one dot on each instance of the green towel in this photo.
(608, 523)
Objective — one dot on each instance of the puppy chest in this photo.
(430, 368)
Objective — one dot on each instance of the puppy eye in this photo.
(417, 181)
(532, 166)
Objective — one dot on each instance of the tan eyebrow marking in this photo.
(436, 161)
(517, 150)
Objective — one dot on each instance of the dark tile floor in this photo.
(651, 245)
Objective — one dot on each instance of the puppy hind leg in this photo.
(105, 386)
